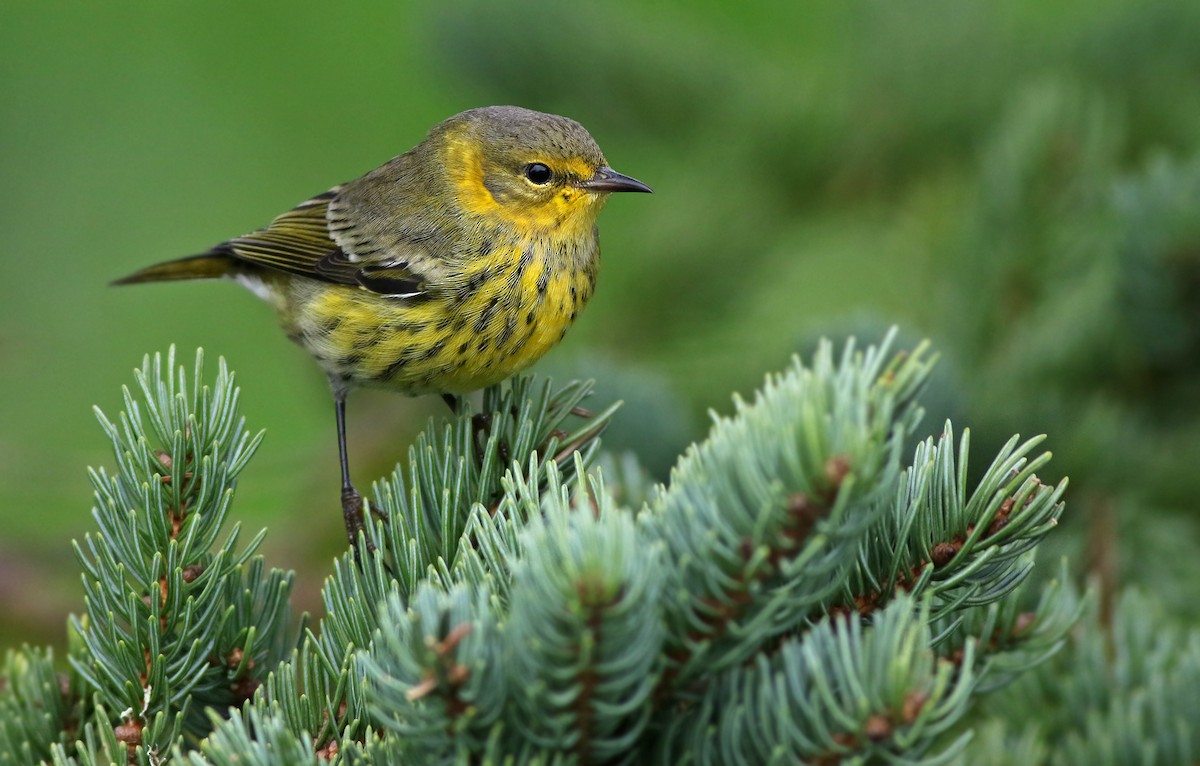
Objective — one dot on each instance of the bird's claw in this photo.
(352, 514)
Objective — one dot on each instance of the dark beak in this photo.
(609, 180)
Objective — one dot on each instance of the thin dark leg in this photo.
(480, 421)
(352, 504)
(481, 426)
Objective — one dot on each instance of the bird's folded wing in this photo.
(299, 242)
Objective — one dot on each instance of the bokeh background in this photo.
(1017, 181)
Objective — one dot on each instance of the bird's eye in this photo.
(538, 173)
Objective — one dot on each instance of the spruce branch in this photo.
(1127, 696)
(523, 573)
(585, 605)
(101, 744)
(841, 693)
(1015, 633)
(763, 518)
(455, 470)
(39, 706)
(437, 670)
(177, 619)
(795, 593)
(454, 467)
(964, 547)
(253, 738)
(574, 667)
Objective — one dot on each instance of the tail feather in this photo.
(204, 266)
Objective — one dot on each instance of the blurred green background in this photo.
(1014, 180)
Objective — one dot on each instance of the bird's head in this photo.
(526, 168)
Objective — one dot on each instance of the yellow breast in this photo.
(500, 318)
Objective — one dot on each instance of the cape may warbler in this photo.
(447, 269)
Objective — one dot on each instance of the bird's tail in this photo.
(204, 266)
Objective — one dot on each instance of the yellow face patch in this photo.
(557, 207)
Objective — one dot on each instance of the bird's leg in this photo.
(352, 502)
(481, 425)
(481, 421)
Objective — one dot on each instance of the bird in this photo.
(447, 269)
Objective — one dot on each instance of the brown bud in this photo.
(836, 469)
(944, 553)
(913, 703)
(878, 728)
(458, 674)
(1024, 622)
(129, 733)
(421, 689)
(329, 752)
(454, 638)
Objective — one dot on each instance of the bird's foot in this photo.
(481, 425)
(352, 514)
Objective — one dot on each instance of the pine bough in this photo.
(796, 593)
